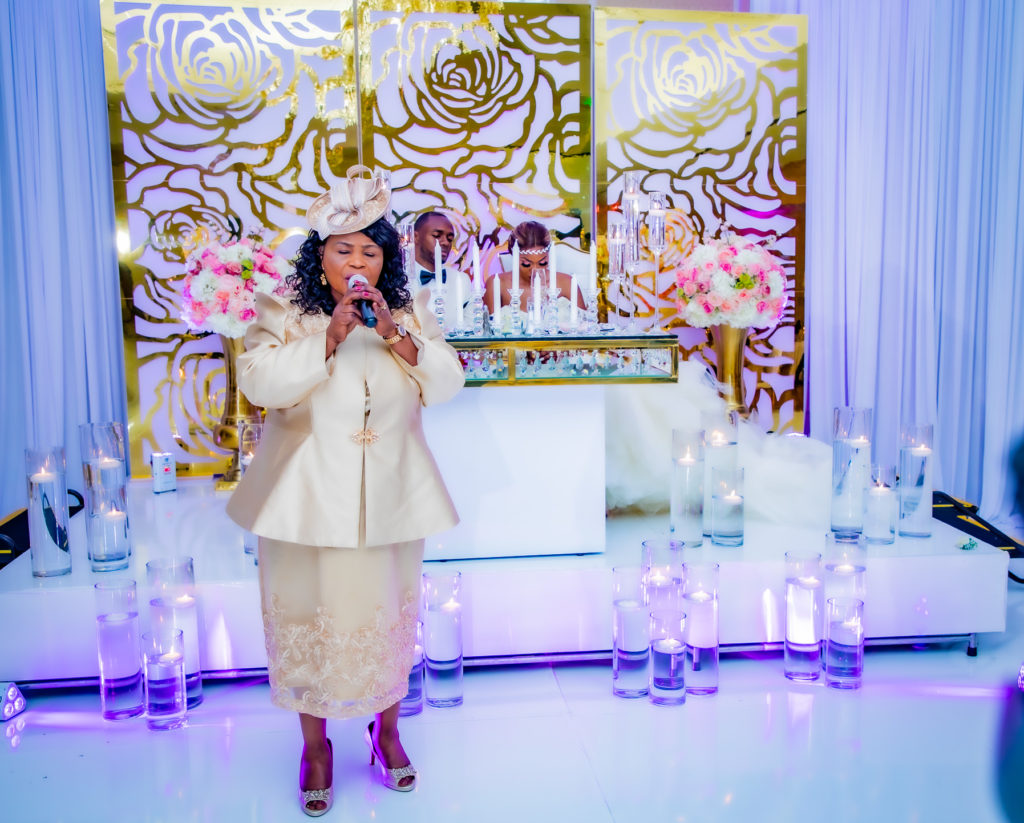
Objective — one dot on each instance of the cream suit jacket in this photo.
(319, 447)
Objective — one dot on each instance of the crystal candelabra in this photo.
(550, 322)
(656, 240)
(514, 305)
(590, 313)
(478, 312)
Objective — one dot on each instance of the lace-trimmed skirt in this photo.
(340, 624)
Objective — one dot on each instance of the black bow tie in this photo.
(427, 276)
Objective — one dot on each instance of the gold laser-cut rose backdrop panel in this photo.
(481, 111)
(711, 108)
(224, 118)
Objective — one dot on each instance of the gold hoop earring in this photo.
(323, 279)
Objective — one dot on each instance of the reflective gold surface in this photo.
(730, 346)
(228, 117)
(224, 118)
(711, 108)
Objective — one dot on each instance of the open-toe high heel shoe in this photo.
(325, 796)
(389, 777)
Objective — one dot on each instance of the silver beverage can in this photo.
(165, 474)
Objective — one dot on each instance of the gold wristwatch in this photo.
(398, 335)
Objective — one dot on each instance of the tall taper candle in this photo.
(552, 268)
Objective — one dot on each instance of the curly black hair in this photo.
(312, 297)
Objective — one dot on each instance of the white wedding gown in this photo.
(787, 478)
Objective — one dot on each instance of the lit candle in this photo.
(574, 313)
(668, 645)
(180, 613)
(634, 621)
(687, 459)
(552, 268)
(717, 438)
(478, 283)
(701, 619)
(921, 451)
(442, 632)
(880, 514)
(43, 476)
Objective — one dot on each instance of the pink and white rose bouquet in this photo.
(731, 281)
(221, 282)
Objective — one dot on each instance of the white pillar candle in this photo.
(442, 632)
(701, 619)
(633, 620)
(514, 282)
(115, 532)
(478, 283)
(496, 297)
(107, 472)
(552, 268)
(460, 300)
(538, 299)
(880, 513)
(438, 264)
(574, 312)
(803, 599)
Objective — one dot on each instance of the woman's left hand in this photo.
(386, 325)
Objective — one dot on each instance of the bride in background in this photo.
(533, 240)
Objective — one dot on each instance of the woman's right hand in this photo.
(344, 318)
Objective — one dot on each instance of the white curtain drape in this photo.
(61, 361)
(915, 229)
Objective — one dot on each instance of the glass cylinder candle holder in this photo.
(805, 609)
(700, 602)
(721, 433)
(616, 247)
(667, 683)
(442, 638)
(165, 679)
(845, 567)
(106, 495)
(50, 550)
(176, 606)
(122, 692)
(686, 501)
(844, 642)
(727, 506)
(630, 638)
(661, 573)
(916, 481)
(250, 433)
(412, 703)
(851, 469)
(881, 506)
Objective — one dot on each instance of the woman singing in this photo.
(343, 489)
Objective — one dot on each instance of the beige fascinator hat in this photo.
(352, 204)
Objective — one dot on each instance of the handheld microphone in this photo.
(365, 306)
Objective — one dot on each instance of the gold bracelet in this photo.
(394, 338)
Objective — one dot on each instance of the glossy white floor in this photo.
(919, 742)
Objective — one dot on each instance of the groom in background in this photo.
(432, 228)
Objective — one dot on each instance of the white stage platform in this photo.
(514, 608)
